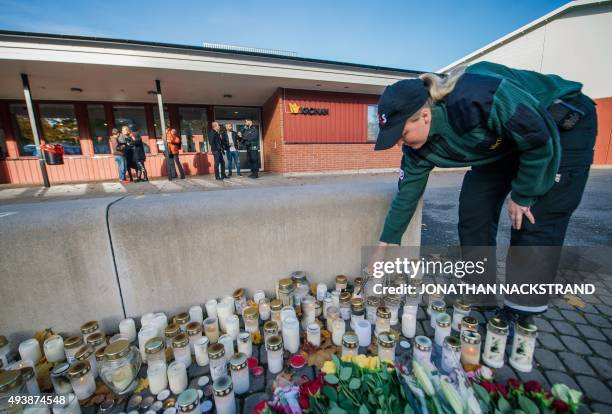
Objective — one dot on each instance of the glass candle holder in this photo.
(523, 346)
(358, 287)
(157, 374)
(240, 373)
(70, 405)
(201, 351)
(29, 350)
(274, 349)
(194, 332)
(291, 334)
(438, 306)
(251, 319)
(275, 308)
(182, 319)
(264, 309)
(299, 294)
(468, 323)
(270, 328)
(29, 378)
(5, 350)
(211, 308)
(196, 314)
(338, 331)
(181, 350)
(258, 295)
(328, 302)
(422, 349)
(161, 322)
(211, 329)
(225, 402)
(432, 298)
(335, 295)
(218, 362)
(341, 282)
(383, 320)
(224, 310)
(451, 354)
(89, 328)
(71, 345)
(127, 328)
(443, 328)
(59, 378)
(300, 278)
(495, 343)
(120, 367)
(393, 304)
(470, 348)
(350, 344)
(321, 291)
(386, 346)
(333, 313)
(313, 334)
(97, 340)
(287, 312)
(460, 310)
(146, 332)
(83, 382)
(372, 304)
(188, 402)
(54, 349)
(155, 350)
(409, 320)
(87, 353)
(285, 291)
(363, 328)
(357, 311)
(147, 319)
(308, 311)
(228, 343)
(345, 305)
(177, 377)
(245, 343)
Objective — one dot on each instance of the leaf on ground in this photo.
(574, 301)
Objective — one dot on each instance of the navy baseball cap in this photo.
(398, 103)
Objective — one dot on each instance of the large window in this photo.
(22, 128)
(372, 122)
(59, 126)
(194, 121)
(98, 128)
(157, 124)
(132, 117)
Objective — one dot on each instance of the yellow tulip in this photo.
(361, 361)
(347, 358)
(374, 362)
(329, 367)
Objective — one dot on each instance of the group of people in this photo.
(129, 152)
(228, 142)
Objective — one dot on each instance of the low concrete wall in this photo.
(175, 250)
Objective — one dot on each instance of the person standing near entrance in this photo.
(217, 147)
(250, 137)
(139, 157)
(173, 141)
(119, 148)
(231, 140)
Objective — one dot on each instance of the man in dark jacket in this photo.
(250, 138)
(217, 147)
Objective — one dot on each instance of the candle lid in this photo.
(386, 339)
(527, 328)
(285, 284)
(270, 327)
(313, 327)
(96, 339)
(187, 400)
(238, 361)
(333, 310)
(350, 340)
(154, 345)
(345, 297)
(89, 327)
(147, 402)
(452, 342)
(172, 330)
(469, 322)
(422, 343)
(250, 313)
(498, 326)
(163, 394)
(299, 276)
(383, 312)
(60, 369)
(182, 318)
(358, 282)
(276, 305)
(373, 301)
(78, 369)
(157, 405)
(100, 353)
(169, 403)
(73, 342)
(222, 386)
(207, 407)
(10, 380)
(3, 340)
(274, 343)
(443, 320)
(134, 402)
(438, 305)
(405, 345)
(238, 294)
(180, 341)
(341, 279)
(27, 373)
(117, 349)
(470, 337)
(357, 304)
(193, 328)
(461, 305)
(216, 351)
(84, 352)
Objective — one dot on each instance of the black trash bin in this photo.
(53, 154)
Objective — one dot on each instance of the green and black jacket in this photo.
(493, 111)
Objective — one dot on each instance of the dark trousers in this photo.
(535, 248)
(174, 160)
(253, 157)
(141, 171)
(219, 164)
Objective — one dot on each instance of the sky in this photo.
(417, 35)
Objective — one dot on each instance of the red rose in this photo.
(533, 386)
(502, 390)
(308, 389)
(513, 383)
(489, 386)
(560, 407)
(260, 407)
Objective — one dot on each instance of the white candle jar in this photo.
(188, 402)
(211, 308)
(54, 349)
(286, 289)
(224, 310)
(299, 279)
(146, 332)
(157, 374)
(443, 328)
(181, 350)
(5, 349)
(333, 313)
(68, 406)
(87, 353)
(372, 305)
(83, 382)
(345, 305)
(251, 319)
(155, 350)
(89, 328)
(177, 377)
(451, 354)
(335, 295)
(161, 322)
(460, 310)
(245, 343)
(438, 306)
(341, 283)
(218, 362)
(274, 349)
(201, 351)
(338, 331)
(383, 320)
(313, 334)
(120, 366)
(275, 308)
(240, 373)
(225, 402)
(299, 294)
(29, 377)
(328, 302)
(29, 350)
(182, 319)
(170, 333)
(147, 319)
(321, 291)
(264, 309)
(211, 329)
(357, 311)
(523, 346)
(350, 344)
(196, 314)
(291, 334)
(228, 343)
(422, 349)
(287, 312)
(468, 323)
(409, 320)
(393, 304)
(495, 343)
(127, 328)
(470, 348)
(270, 328)
(258, 295)
(363, 328)
(194, 332)
(308, 311)
(386, 346)
(432, 298)
(240, 300)
(59, 378)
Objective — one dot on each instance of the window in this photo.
(372, 122)
(131, 116)
(194, 121)
(23, 130)
(98, 128)
(59, 126)
(157, 124)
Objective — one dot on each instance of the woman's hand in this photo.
(516, 213)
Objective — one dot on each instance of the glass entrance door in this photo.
(235, 115)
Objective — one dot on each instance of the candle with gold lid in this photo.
(89, 328)
(341, 282)
(82, 380)
(240, 373)
(276, 306)
(345, 305)
(357, 311)
(422, 349)
(97, 340)
(470, 348)
(225, 402)
(386, 346)
(372, 304)
(240, 300)
(194, 332)
(285, 291)
(350, 344)
(451, 354)
(383, 320)
(393, 304)
(270, 328)
(443, 328)
(438, 306)
(211, 329)
(469, 323)
(155, 349)
(495, 343)
(461, 309)
(217, 360)
(71, 346)
(182, 319)
(251, 319)
(523, 346)
(170, 332)
(181, 350)
(274, 349)
(87, 353)
(264, 308)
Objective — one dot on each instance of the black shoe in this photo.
(240, 174)
(218, 178)
(183, 177)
